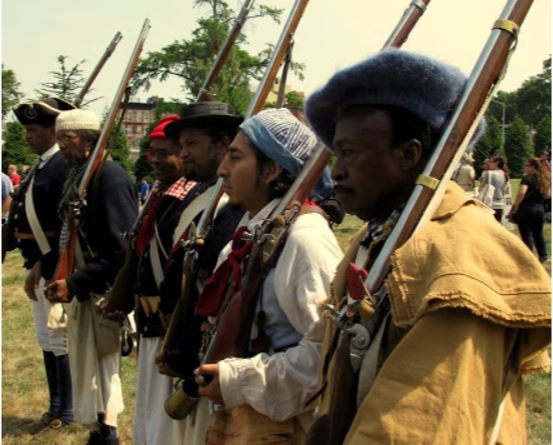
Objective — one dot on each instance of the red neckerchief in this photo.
(178, 189)
(147, 229)
(212, 295)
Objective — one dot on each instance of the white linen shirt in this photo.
(279, 385)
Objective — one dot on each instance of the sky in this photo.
(332, 34)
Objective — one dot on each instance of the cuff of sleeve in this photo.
(229, 382)
(73, 290)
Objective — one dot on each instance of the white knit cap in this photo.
(77, 120)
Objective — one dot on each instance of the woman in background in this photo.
(528, 209)
(498, 176)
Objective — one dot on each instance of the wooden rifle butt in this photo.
(223, 343)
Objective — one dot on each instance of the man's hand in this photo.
(116, 315)
(212, 390)
(31, 282)
(163, 367)
(58, 291)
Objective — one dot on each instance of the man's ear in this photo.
(222, 147)
(271, 171)
(409, 154)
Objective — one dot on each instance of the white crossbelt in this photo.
(34, 223)
(193, 210)
(155, 259)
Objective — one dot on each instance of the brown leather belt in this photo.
(49, 234)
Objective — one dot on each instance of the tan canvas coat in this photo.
(470, 312)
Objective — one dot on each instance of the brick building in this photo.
(137, 119)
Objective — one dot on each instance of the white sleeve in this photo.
(279, 385)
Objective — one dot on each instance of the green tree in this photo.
(490, 143)
(11, 94)
(67, 82)
(119, 149)
(192, 59)
(295, 99)
(141, 167)
(14, 148)
(518, 146)
(542, 140)
(533, 98)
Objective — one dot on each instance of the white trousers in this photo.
(51, 340)
(96, 381)
(151, 424)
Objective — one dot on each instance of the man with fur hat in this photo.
(94, 343)
(264, 394)
(450, 332)
(171, 193)
(35, 227)
(204, 132)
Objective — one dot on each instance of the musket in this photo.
(428, 193)
(68, 237)
(118, 298)
(271, 236)
(284, 76)
(313, 169)
(178, 405)
(120, 295)
(481, 85)
(107, 54)
(204, 93)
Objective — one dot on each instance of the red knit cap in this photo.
(158, 131)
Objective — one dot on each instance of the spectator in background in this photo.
(528, 209)
(7, 188)
(24, 170)
(486, 165)
(496, 175)
(144, 190)
(464, 174)
(15, 178)
(546, 162)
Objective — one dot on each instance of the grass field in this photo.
(24, 389)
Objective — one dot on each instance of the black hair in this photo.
(279, 187)
(406, 126)
(218, 134)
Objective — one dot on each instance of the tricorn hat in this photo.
(42, 112)
(204, 114)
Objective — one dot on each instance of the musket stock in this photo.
(225, 338)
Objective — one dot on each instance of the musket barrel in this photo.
(96, 156)
(281, 47)
(107, 53)
(225, 50)
(480, 85)
(304, 183)
(407, 22)
(257, 102)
